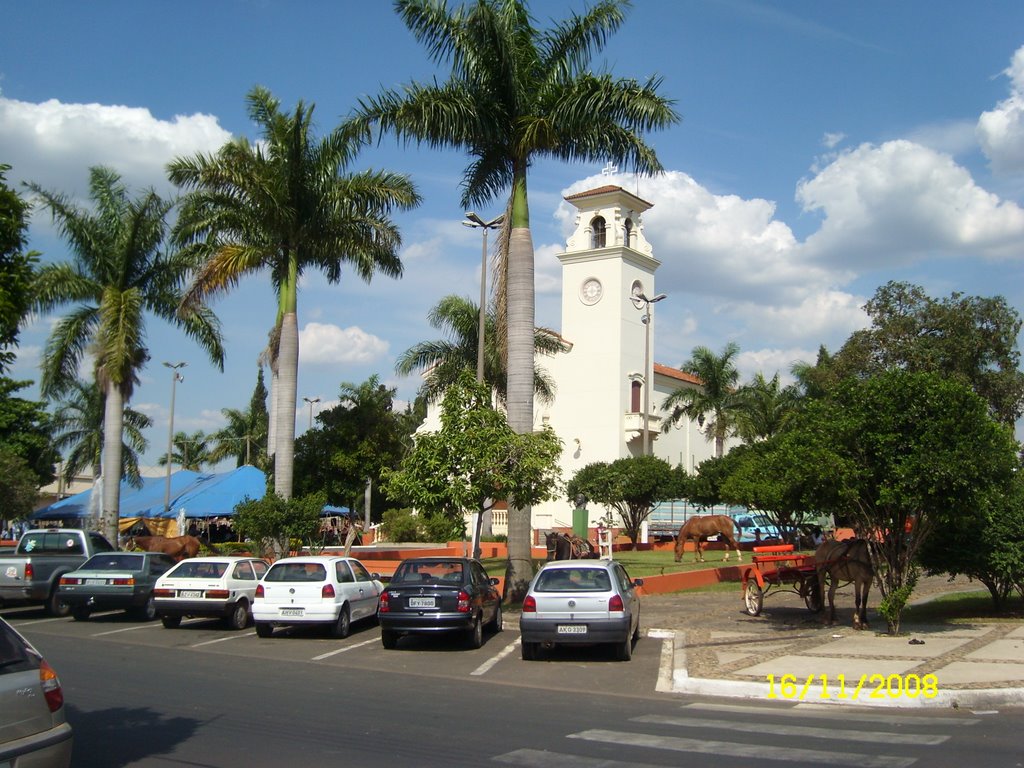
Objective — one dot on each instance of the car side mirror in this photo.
(638, 582)
(375, 576)
(493, 581)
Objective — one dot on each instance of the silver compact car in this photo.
(218, 587)
(33, 730)
(581, 602)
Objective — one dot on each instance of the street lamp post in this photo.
(175, 378)
(314, 400)
(640, 300)
(477, 223)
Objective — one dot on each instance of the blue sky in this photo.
(825, 148)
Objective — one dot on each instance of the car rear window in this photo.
(424, 572)
(114, 561)
(296, 572)
(190, 570)
(50, 542)
(15, 655)
(573, 580)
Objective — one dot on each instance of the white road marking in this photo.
(536, 758)
(749, 751)
(126, 629)
(486, 666)
(821, 711)
(222, 639)
(342, 650)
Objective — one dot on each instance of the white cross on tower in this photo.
(609, 169)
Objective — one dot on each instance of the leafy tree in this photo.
(445, 359)
(969, 339)
(517, 93)
(888, 462)
(475, 459)
(273, 522)
(631, 486)
(26, 431)
(763, 408)
(119, 272)
(16, 268)
(716, 402)
(191, 452)
(78, 433)
(285, 205)
(19, 487)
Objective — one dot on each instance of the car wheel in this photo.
(80, 614)
(497, 622)
(145, 612)
(475, 637)
(343, 626)
(170, 622)
(56, 605)
(529, 651)
(388, 639)
(636, 632)
(624, 651)
(264, 629)
(239, 616)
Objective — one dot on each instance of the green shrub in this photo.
(400, 525)
(439, 526)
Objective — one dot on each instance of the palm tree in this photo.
(284, 205)
(118, 274)
(716, 402)
(445, 359)
(189, 452)
(241, 439)
(764, 406)
(515, 94)
(78, 433)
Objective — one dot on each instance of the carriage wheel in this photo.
(753, 598)
(812, 597)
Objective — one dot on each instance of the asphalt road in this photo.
(140, 695)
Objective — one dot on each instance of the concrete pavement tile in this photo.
(832, 667)
(728, 657)
(1018, 632)
(732, 635)
(968, 631)
(1009, 649)
(881, 645)
(967, 672)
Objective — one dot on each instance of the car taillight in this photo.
(29, 571)
(530, 604)
(123, 582)
(615, 603)
(327, 591)
(383, 607)
(463, 604)
(217, 594)
(163, 593)
(259, 591)
(65, 580)
(51, 687)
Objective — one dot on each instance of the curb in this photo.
(674, 677)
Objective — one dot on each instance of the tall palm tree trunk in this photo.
(113, 424)
(284, 403)
(521, 322)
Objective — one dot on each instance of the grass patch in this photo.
(964, 606)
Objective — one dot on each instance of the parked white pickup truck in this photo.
(32, 573)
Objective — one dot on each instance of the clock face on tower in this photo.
(591, 291)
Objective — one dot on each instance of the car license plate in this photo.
(191, 593)
(292, 611)
(572, 629)
(94, 582)
(421, 602)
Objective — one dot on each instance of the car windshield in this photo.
(190, 569)
(296, 572)
(573, 580)
(425, 572)
(114, 561)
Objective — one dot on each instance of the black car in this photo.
(439, 594)
(115, 580)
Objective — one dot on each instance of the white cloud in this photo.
(53, 144)
(1001, 130)
(820, 315)
(324, 344)
(832, 140)
(892, 204)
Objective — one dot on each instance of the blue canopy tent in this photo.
(133, 500)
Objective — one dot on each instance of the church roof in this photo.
(608, 189)
(675, 373)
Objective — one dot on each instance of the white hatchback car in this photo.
(331, 591)
(209, 586)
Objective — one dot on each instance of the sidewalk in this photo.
(719, 651)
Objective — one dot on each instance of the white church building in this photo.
(603, 382)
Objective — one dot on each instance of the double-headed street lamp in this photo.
(314, 400)
(641, 301)
(477, 223)
(175, 378)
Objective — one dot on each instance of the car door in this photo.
(360, 590)
(242, 580)
(487, 591)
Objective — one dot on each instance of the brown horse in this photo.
(847, 561)
(563, 546)
(178, 547)
(700, 527)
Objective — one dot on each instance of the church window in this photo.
(634, 400)
(597, 227)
